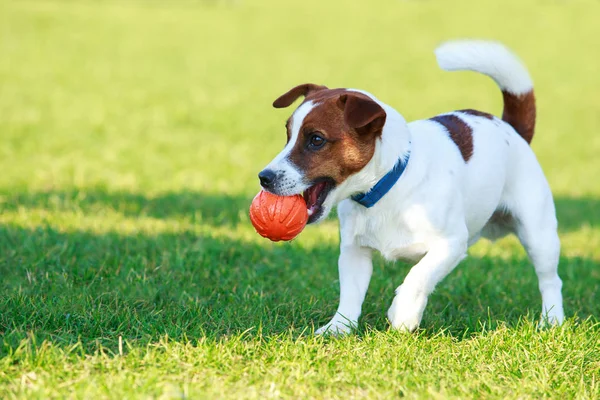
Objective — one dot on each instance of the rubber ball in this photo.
(278, 217)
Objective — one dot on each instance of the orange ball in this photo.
(278, 217)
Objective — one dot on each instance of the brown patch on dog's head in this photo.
(460, 133)
(349, 122)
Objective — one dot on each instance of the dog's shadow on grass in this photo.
(75, 285)
(198, 207)
(573, 213)
(95, 287)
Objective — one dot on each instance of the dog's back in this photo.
(492, 153)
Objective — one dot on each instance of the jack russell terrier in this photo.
(422, 191)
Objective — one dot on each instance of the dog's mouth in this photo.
(315, 196)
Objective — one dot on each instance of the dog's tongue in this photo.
(312, 194)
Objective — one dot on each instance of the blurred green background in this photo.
(131, 134)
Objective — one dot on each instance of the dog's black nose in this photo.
(267, 177)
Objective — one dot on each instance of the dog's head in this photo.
(330, 136)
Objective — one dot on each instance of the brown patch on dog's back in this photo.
(476, 113)
(459, 131)
(519, 112)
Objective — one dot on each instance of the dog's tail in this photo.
(505, 68)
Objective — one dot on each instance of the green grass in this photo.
(130, 138)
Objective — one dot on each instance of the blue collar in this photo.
(370, 198)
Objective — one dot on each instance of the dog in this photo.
(422, 191)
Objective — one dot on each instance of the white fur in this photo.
(441, 205)
(488, 58)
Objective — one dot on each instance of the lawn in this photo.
(131, 133)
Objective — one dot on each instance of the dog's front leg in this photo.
(411, 297)
(355, 268)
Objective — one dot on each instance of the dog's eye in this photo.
(315, 142)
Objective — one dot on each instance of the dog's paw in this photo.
(406, 310)
(551, 317)
(336, 328)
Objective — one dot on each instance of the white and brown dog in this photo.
(422, 191)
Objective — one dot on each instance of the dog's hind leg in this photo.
(532, 208)
(355, 267)
(536, 230)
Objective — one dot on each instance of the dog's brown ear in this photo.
(360, 111)
(286, 99)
